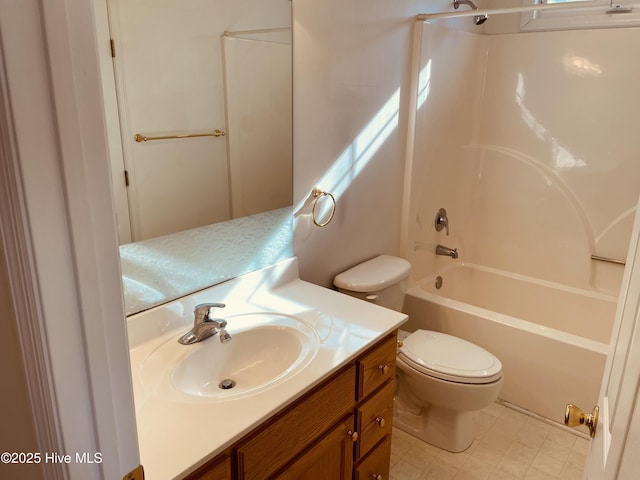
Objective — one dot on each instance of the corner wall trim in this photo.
(15, 243)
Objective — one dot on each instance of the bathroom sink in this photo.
(265, 349)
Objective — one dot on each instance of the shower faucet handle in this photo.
(442, 221)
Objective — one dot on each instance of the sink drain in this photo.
(226, 384)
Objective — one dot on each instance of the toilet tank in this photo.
(381, 280)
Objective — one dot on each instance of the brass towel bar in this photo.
(216, 133)
(608, 260)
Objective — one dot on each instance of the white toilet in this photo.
(441, 379)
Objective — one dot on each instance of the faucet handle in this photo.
(442, 221)
(203, 310)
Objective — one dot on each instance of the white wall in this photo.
(351, 65)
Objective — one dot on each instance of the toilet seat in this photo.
(449, 358)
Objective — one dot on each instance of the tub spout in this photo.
(446, 251)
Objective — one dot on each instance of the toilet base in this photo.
(443, 428)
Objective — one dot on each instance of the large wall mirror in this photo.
(203, 178)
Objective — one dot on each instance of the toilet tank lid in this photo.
(373, 275)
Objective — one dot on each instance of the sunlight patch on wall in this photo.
(424, 84)
(357, 155)
(375, 133)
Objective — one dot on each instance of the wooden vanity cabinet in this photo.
(217, 469)
(340, 430)
(374, 411)
(283, 438)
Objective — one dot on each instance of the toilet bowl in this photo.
(441, 379)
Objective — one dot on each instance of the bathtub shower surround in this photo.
(526, 138)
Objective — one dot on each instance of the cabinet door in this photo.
(281, 440)
(330, 458)
(219, 469)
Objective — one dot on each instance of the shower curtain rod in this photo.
(587, 5)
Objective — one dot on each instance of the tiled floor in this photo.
(509, 445)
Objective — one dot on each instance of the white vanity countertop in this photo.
(177, 432)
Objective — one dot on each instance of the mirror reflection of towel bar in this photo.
(141, 138)
(608, 260)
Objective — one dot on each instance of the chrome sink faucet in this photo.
(204, 326)
(446, 251)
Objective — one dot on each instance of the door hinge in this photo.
(112, 44)
(135, 474)
(619, 8)
(126, 178)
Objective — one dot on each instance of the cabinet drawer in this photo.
(376, 464)
(377, 366)
(282, 439)
(374, 419)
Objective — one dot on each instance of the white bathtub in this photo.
(552, 339)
